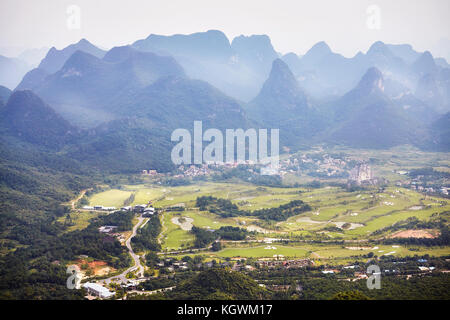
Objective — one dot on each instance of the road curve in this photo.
(121, 278)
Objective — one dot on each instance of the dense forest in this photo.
(146, 237)
(34, 185)
(225, 208)
(204, 237)
(217, 283)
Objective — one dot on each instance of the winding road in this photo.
(74, 202)
(121, 278)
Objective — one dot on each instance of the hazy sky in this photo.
(293, 25)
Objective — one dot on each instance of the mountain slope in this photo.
(434, 89)
(440, 134)
(366, 117)
(188, 99)
(83, 89)
(283, 104)
(255, 51)
(280, 98)
(424, 64)
(210, 45)
(238, 69)
(125, 145)
(33, 56)
(26, 116)
(55, 59)
(11, 71)
(4, 95)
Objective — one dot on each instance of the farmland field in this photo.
(337, 213)
(110, 198)
(366, 211)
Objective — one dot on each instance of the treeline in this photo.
(282, 212)
(412, 223)
(204, 237)
(431, 287)
(442, 240)
(218, 284)
(128, 201)
(428, 173)
(225, 208)
(147, 236)
(165, 282)
(122, 219)
(243, 173)
(222, 207)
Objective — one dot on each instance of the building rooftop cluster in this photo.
(420, 186)
(107, 229)
(150, 172)
(193, 171)
(99, 208)
(287, 264)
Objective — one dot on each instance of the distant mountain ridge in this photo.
(323, 73)
(366, 117)
(26, 116)
(238, 68)
(11, 71)
(55, 59)
(282, 104)
(85, 87)
(394, 94)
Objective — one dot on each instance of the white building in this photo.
(98, 290)
(328, 271)
(140, 207)
(107, 229)
(149, 211)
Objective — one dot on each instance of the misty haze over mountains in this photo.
(86, 103)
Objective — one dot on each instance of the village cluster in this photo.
(315, 165)
(349, 272)
(418, 184)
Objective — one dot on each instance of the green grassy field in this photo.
(267, 251)
(80, 219)
(173, 237)
(366, 211)
(321, 253)
(110, 198)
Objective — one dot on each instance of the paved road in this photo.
(121, 278)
